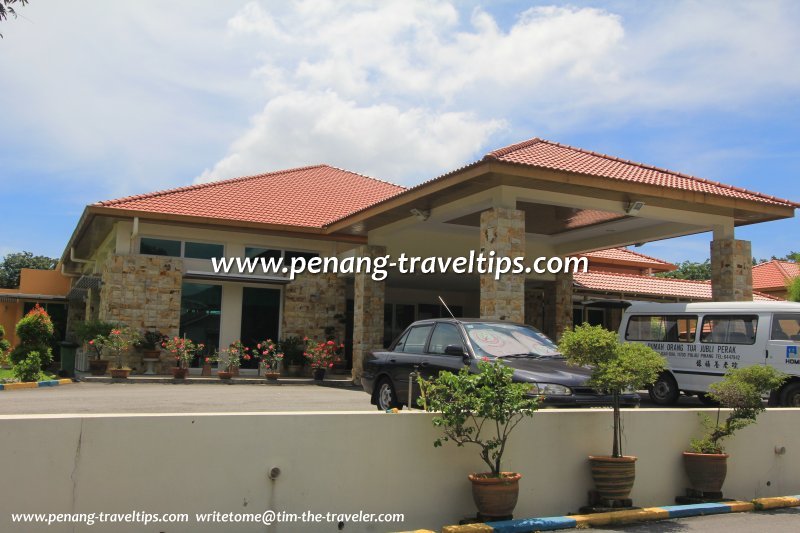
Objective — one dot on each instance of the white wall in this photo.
(346, 462)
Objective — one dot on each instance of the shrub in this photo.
(741, 390)
(468, 401)
(35, 331)
(117, 342)
(293, 348)
(29, 368)
(793, 290)
(616, 367)
(5, 347)
(88, 330)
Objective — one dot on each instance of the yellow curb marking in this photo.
(64, 381)
(740, 507)
(26, 385)
(776, 502)
(468, 528)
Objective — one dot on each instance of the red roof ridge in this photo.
(644, 276)
(379, 180)
(628, 250)
(496, 154)
(782, 268)
(205, 185)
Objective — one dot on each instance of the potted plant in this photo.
(150, 342)
(86, 332)
(231, 358)
(616, 367)
(292, 348)
(482, 410)
(271, 358)
(741, 390)
(207, 362)
(117, 342)
(321, 356)
(183, 350)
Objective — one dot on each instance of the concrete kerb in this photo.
(35, 384)
(553, 523)
(194, 380)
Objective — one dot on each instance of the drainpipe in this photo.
(135, 232)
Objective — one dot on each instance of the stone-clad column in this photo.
(558, 306)
(503, 232)
(368, 301)
(731, 270)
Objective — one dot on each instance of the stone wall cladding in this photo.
(731, 270)
(503, 231)
(142, 292)
(368, 301)
(558, 306)
(534, 308)
(312, 303)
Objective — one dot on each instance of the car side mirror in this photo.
(454, 349)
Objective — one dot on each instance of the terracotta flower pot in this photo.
(706, 471)
(495, 497)
(98, 367)
(120, 373)
(613, 476)
(224, 375)
(206, 372)
(271, 375)
(179, 373)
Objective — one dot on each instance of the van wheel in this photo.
(385, 397)
(790, 397)
(665, 390)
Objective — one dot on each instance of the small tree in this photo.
(5, 347)
(616, 367)
(117, 342)
(34, 331)
(88, 330)
(793, 290)
(741, 390)
(479, 409)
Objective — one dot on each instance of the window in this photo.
(729, 329)
(167, 247)
(786, 327)
(415, 340)
(202, 250)
(288, 256)
(661, 328)
(201, 306)
(443, 336)
(266, 253)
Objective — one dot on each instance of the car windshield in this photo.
(507, 340)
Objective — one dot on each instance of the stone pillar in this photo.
(558, 306)
(368, 301)
(731, 270)
(314, 305)
(503, 232)
(143, 293)
(534, 307)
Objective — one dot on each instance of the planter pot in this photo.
(234, 371)
(272, 376)
(294, 371)
(319, 374)
(120, 373)
(706, 471)
(495, 497)
(224, 375)
(98, 367)
(179, 373)
(613, 476)
(206, 372)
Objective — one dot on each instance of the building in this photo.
(48, 288)
(772, 277)
(146, 260)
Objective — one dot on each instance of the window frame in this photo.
(666, 318)
(718, 316)
(433, 332)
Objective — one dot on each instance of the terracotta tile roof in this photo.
(623, 255)
(774, 274)
(632, 285)
(308, 197)
(545, 154)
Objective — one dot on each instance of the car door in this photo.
(408, 354)
(436, 360)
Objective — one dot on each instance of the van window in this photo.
(786, 327)
(729, 329)
(661, 328)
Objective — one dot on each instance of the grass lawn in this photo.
(8, 374)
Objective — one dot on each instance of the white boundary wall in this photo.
(346, 462)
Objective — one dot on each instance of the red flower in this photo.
(208, 360)
(485, 359)
(91, 342)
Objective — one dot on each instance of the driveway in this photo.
(82, 398)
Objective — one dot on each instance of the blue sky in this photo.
(104, 99)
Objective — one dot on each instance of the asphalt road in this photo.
(777, 521)
(79, 398)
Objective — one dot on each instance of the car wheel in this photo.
(385, 397)
(665, 390)
(705, 399)
(790, 396)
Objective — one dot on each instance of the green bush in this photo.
(616, 367)
(29, 368)
(468, 401)
(741, 390)
(793, 290)
(293, 348)
(35, 332)
(87, 331)
(5, 346)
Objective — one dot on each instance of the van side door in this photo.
(783, 346)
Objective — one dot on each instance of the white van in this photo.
(701, 341)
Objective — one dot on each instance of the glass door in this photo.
(260, 318)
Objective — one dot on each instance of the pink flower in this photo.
(91, 342)
(258, 345)
(485, 359)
